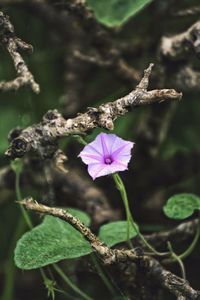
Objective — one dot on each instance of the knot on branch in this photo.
(106, 116)
(18, 148)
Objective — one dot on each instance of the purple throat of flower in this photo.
(108, 160)
(107, 154)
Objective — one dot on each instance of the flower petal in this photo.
(96, 146)
(123, 159)
(121, 147)
(118, 166)
(108, 146)
(89, 158)
(97, 170)
(103, 143)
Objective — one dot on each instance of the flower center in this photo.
(108, 160)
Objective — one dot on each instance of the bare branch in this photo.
(102, 42)
(92, 59)
(43, 137)
(182, 232)
(187, 78)
(85, 194)
(68, 184)
(153, 268)
(177, 46)
(14, 45)
(76, 223)
(144, 82)
(188, 12)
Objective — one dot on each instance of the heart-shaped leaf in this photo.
(181, 206)
(116, 12)
(115, 233)
(50, 242)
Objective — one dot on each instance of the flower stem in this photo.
(80, 139)
(122, 190)
(178, 259)
(19, 198)
(193, 244)
(103, 275)
(120, 185)
(10, 272)
(70, 283)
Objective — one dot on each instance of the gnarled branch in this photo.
(102, 42)
(14, 45)
(153, 268)
(43, 137)
(177, 46)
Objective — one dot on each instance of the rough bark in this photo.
(43, 137)
(14, 45)
(174, 284)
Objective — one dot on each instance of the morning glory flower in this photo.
(107, 154)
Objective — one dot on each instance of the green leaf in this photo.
(116, 12)
(181, 206)
(115, 232)
(50, 242)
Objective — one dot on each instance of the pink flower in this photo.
(107, 154)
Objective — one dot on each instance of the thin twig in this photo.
(102, 41)
(14, 45)
(194, 10)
